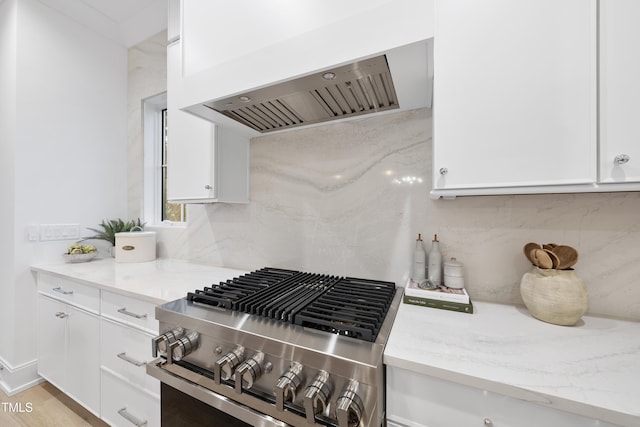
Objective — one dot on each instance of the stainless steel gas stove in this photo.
(278, 347)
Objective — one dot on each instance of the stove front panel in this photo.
(277, 360)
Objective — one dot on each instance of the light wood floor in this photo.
(50, 408)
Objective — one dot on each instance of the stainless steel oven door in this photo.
(185, 403)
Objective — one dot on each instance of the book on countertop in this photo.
(441, 293)
(441, 304)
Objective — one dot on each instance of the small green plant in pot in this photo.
(111, 227)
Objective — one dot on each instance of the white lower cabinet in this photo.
(129, 395)
(415, 400)
(126, 351)
(68, 350)
(94, 345)
(129, 311)
(124, 404)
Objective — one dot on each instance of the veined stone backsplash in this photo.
(350, 199)
(344, 199)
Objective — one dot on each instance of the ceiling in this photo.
(124, 21)
(119, 10)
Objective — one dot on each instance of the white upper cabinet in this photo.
(619, 91)
(515, 99)
(205, 163)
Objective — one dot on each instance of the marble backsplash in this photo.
(350, 199)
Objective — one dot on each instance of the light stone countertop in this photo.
(592, 369)
(156, 281)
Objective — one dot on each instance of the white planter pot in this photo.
(554, 296)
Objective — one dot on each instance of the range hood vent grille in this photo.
(359, 88)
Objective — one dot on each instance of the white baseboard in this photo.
(14, 379)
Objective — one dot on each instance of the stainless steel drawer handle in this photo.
(133, 420)
(61, 314)
(123, 310)
(126, 358)
(62, 291)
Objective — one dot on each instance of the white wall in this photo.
(70, 159)
(7, 142)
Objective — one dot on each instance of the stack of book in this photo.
(440, 297)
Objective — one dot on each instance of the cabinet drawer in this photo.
(124, 405)
(74, 293)
(125, 351)
(130, 311)
(418, 400)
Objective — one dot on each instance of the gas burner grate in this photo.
(226, 294)
(346, 306)
(353, 307)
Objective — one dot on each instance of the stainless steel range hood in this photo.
(358, 88)
(397, 79)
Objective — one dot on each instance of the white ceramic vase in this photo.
(554, 296)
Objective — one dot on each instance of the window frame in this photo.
(153, 146)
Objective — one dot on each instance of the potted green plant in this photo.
(109, 228)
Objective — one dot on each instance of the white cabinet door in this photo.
(83, 358)
(125, 405)
(190, 143)
(205, 162)
(514, 93)
(68, 350)
(619, 91)
(51, 340)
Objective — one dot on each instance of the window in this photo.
(175, 212)
(157, 209)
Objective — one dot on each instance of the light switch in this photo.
(32, 233)
(59, 231)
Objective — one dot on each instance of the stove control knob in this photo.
(316, 396)
(179, 349)
(287, 385)
(249, 371)
(224, 367)
(160, 344)
(349, 407)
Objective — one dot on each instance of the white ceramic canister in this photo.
(453, 274)
(135, 246)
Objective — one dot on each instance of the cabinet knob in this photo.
(443, 171)
(488, 422)
(621, 159)
(208, 187)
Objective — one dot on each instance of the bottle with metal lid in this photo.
(419, 259)
(435, 262)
